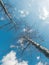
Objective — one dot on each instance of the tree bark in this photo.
(42, 49)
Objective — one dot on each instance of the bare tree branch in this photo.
(7, 13)
(25, 48)
(5, 25)
(44, 50)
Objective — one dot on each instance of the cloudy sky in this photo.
(34, 13)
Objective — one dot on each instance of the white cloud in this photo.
(23, 13)
(41, 63)
(21, 41)
(24, 29)
(27, 30)
(44, 13)
(38, 57)
(2, 18)
(29, 4)
(12, 46)
(11, 59)
(30, 31)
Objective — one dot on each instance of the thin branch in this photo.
(25, 48)
(4, 25)
(7, 13)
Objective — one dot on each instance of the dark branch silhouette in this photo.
(44, 50)
(7, 13)
(5, 25)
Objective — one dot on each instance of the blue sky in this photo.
(24, 12)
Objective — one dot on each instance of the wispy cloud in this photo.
(44, 13)
(23, 13)
(41, 63)
(38, 57)
(2, 18)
